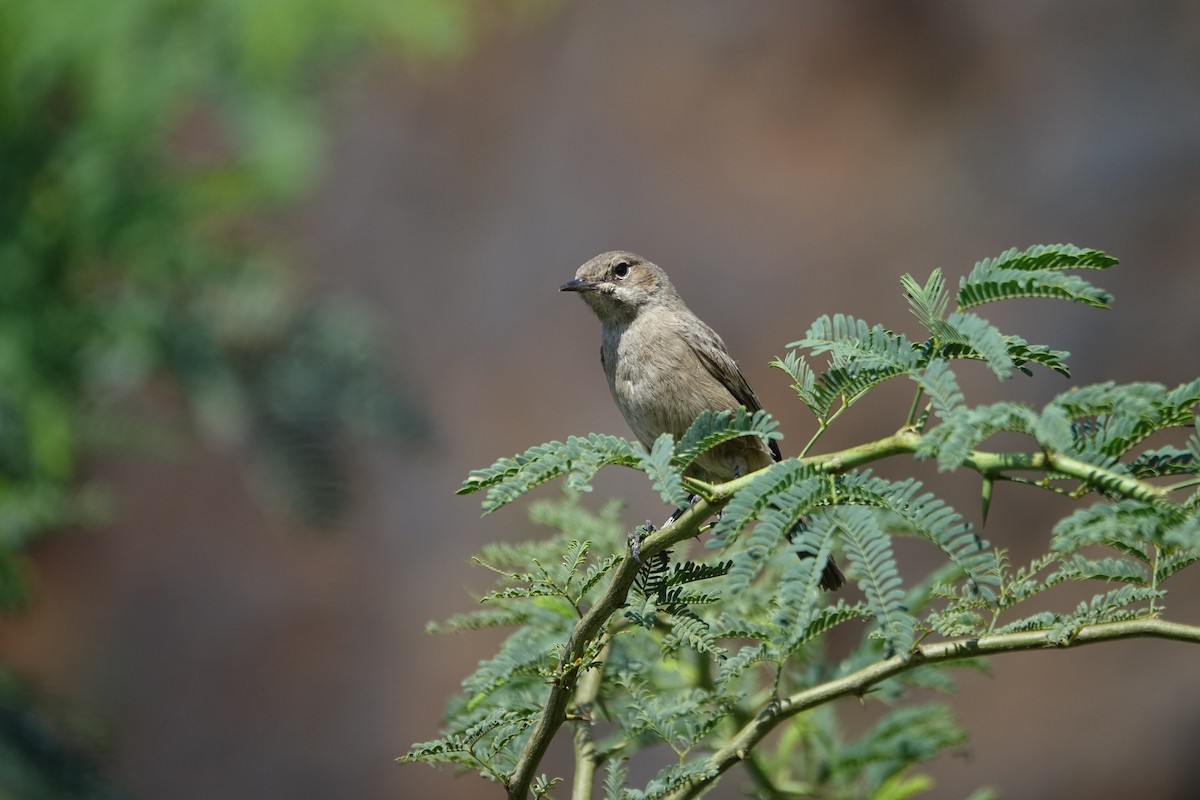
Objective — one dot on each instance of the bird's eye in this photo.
(621, 270)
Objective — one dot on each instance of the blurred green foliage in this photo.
(47, 754)
(141, 144)
(138, 144)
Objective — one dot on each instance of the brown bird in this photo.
(665, 367)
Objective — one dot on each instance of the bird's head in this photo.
(618, 285)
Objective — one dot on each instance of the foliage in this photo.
(37, 760)
(143, 146)
(704, 655)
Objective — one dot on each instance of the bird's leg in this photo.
(737, 473)
(692, 498)
(635, 536)
(677, 513)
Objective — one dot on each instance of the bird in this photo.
(665, 366)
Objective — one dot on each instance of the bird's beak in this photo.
(578, 285)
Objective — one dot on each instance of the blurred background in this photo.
(275, 276)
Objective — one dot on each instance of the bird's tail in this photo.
(832, 578)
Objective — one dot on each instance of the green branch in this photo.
(857, 683)
(585, 631)
(716, 497)
(996, 464)
(584, 740)
(802, 500)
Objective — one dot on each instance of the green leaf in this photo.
(1111, 606)
(1022, 353)
(1008, 284)
(713, 428)
(778, 499)
(1166, 460)
(1173, 562)
(929, 517)
(1116, 417)
(938, 381)
(1053, 430)
(804, 383)
(1049, 257)
(747, 657)
(1119, 570)
(870, 553)
(964, 429)
(905, 736)
(1129, 525)
(1036, 272)
(798, 592)
(1185, 532)
(903, 787)
(751, 499)
(821, 620)
(980, 337)
(848, 383)
(690, 572)
(851, 341)
(579, 458)
(860, 358)
(616, 773)
(928, 303)
(659, 467)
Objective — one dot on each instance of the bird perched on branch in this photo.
(665, 367)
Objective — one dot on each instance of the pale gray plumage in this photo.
(665, 366)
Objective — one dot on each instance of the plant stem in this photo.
(586, 757)
(994, 464)
(821, 427)
(911, 420)
(857, 683)
(553, 713)
(1175, 487)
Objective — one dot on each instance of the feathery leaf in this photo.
(870, 553)
(1036, 272)
(659, 467)
(713, 428)
(581, 458)
(928, 303)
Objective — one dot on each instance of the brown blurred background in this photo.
(780, 160)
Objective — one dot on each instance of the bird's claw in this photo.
(679, 512)
(635, 537)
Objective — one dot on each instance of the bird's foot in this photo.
(679, 512)
(634, 539)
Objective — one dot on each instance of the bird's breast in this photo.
(656, 379)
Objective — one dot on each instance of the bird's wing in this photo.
(707, 345)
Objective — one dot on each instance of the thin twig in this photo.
(586, 757)
(857, 683)
(553, 713)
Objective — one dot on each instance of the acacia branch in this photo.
(993, 465)
(554, 711)
(996, 464)
(715, 498)
(586, 757)
(857, 683)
